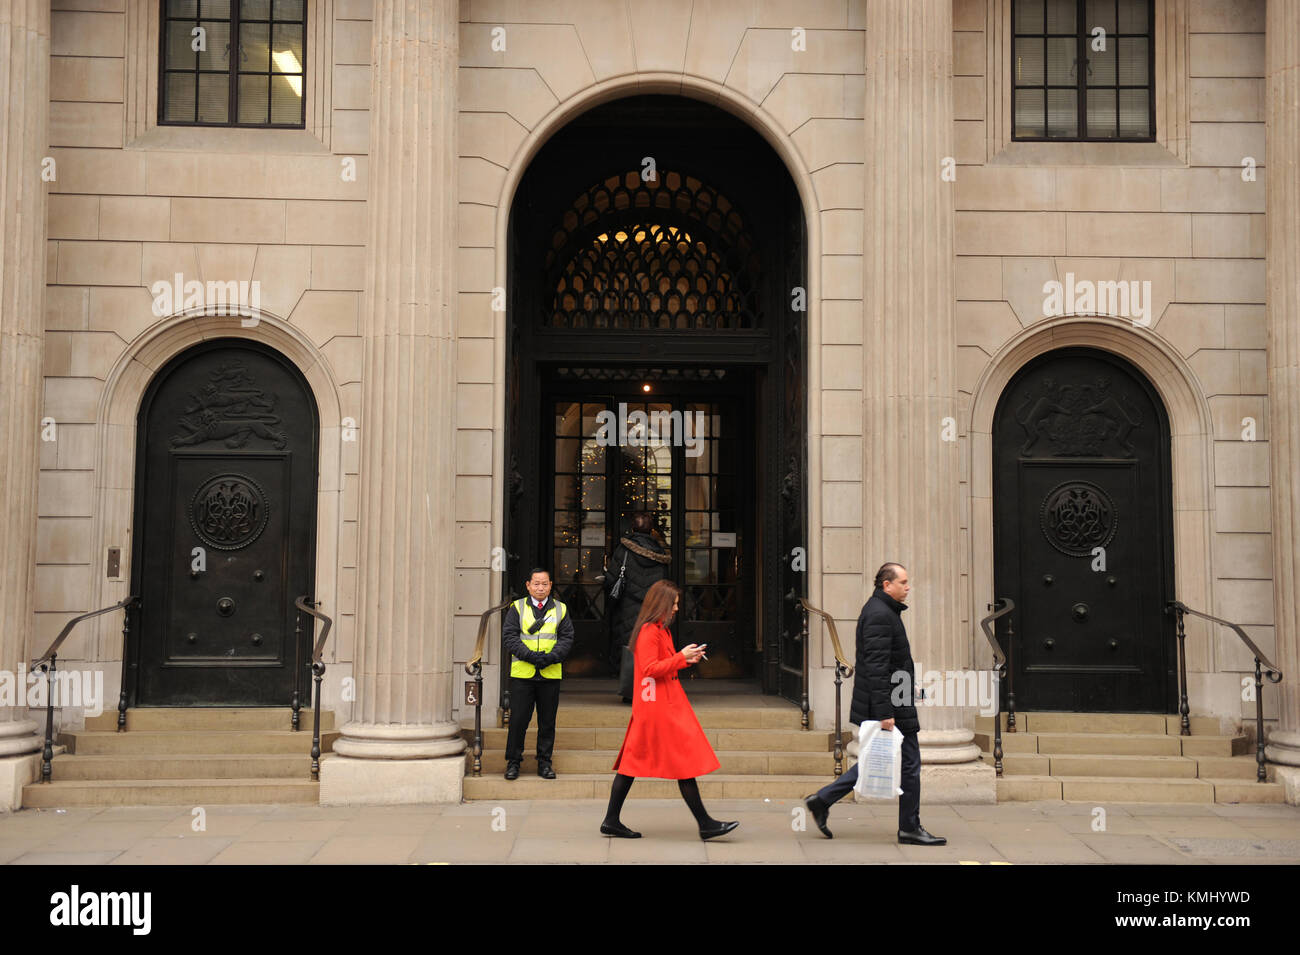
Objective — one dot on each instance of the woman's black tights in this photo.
(623, 784)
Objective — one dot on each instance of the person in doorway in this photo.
(663, 738)
(639, 561)
(538, 635)
(882, 653)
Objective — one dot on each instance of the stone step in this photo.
(1118, 789)
(221, 718)
(611, 738)
(1128, 723)
(134, 766)
(711, 716)
(61, 794)
(194, 742)
(1106, 744)
(734, 763)
(596, 786)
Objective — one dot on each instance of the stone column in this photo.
(911, 511)
(403, 746)
(1282, 41)
(24, 103)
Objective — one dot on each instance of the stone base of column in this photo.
(15, 773)
(941, 747)
(1282, 747)
(956, 783)
(1289, 777)
(346, 781)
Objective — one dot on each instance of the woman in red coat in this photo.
(663, 739)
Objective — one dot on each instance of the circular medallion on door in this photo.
(1077, 516)
(228, 511)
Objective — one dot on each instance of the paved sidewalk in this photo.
(544, 831)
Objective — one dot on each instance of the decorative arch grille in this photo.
(672, 253)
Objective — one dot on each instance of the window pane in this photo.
(1132, 16)
(216, 9)
(1029, 62)
(217, 55)
(1062, 113)
(1101, 64)
(1061, 53)
(1132, 61)
(1029, 113)
(288, 9)
(255, 47)
(214, 97)
(179, 53)
(252, 98)
(1061, 16)
(182, 8)
(287, 49)
(1134, 114)
(286, 99)
(1101, 13)
(180, 97)
(1029, 16)
(1101, 113)
(255, 9)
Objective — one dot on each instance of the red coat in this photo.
(663, 739)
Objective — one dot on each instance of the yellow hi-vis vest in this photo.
(543, 641)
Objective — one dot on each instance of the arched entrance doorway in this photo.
(655, 361)
(1083, 534)
(224, 529)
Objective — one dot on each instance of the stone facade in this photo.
(308, 212)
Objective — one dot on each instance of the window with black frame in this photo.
(233, 63)
(1083, 70)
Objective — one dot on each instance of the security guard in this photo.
(539, 635)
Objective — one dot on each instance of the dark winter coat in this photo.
(647, 562)
(882, 652)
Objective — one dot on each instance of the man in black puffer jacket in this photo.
(642, 561)
(883, 689)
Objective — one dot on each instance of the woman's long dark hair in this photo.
(656, 608)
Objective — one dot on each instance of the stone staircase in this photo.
(758, 739)
(185, 756)
(1123, 757)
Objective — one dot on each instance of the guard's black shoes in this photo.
(716, 828)
(820, 813)
(920, 838)
(512, 770)
(544, 770)
(619, 830)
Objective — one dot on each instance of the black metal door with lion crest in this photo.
(1083, 534)
(224, 529)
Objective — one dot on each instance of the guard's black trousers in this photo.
(524, 695)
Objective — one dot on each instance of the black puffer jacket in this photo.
(883, 651)
(647, 562)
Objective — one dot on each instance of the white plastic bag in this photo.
(880, 761)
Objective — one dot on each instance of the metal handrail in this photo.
(1000, 607)
(842, 670)
(474, 667)
(1262, 664)
(318, 672)
(48, 664)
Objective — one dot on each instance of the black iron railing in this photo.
(47, 663)
(1262, 665)
(474, 667)
(842, 672)
(1001, 607)
(308, 606)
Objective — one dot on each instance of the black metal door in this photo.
(1083, 534)
(224, 529)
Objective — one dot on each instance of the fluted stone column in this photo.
(24, 102)
(403, 745)
(1282, 41)
(911, 511)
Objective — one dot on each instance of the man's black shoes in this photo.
(820, 813)
(920, 837)
(512, 770)
(545, 771)
(716, 828)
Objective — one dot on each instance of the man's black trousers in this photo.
(524, 695)
(909, 804)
